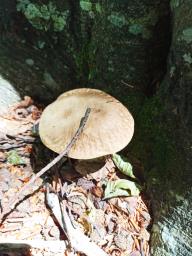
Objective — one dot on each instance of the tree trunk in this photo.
(172, 230)
(103, 44)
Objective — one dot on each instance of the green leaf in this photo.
(121, 187)
(14, 158)
(123, 166)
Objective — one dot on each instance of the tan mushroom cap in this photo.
(109, 127)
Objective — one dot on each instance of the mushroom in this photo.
(109, 127)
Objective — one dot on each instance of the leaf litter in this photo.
(113, 212)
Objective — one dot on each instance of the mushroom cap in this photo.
(109, 127)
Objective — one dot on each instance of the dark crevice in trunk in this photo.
(159, 52)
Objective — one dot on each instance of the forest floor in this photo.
(119, 225)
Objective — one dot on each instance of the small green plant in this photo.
(42, 16)
(121, 187)
(14, 158)
(123, 165)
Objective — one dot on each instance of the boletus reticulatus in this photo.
(109, 127)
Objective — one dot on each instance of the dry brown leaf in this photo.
(2, 157)
(97, 191)
(26, 102)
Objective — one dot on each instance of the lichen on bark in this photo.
(43, 16)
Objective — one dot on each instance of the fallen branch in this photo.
(77, 240)
(8, 146)
(55, 160)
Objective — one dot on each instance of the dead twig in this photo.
(55, 160)
(11, 146)
(126, 84)
(77, 240)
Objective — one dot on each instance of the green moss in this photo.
(187, 58)
(86, 5)
(117, 19)
(158, 130)
(174, 4)
(150, 19)
(142, 25)
(98, 8)
(43, 17)
(152, 141)
(41, 44)
(83, 64)
(133, 100)
(153, 132)
(29, 62)
(187, 35)
(91, 8)
(172, 71)
(136, 29)
(22, 4)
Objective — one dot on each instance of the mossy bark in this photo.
(103, 44)
(172, 192)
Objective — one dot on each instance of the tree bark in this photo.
(103, 44)
(172, 197)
